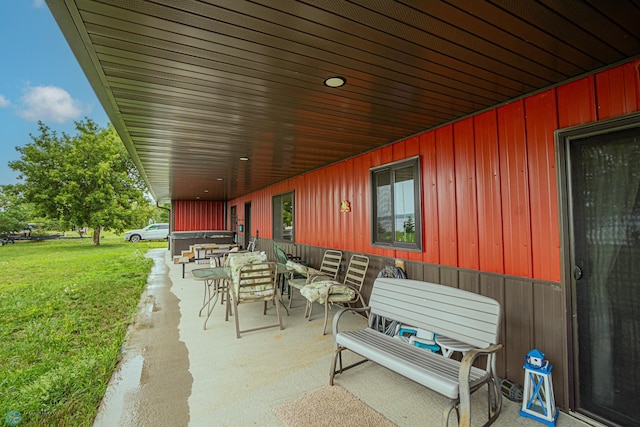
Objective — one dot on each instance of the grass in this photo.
(65, 306)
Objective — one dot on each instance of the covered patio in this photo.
(176, 373)
(285, 122)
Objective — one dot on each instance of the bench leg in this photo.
(336, 355)
(494, 401)
(447, 412)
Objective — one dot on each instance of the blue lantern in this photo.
(538, 402)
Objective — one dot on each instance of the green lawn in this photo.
(64, 310)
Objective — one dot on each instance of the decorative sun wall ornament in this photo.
(345, 206)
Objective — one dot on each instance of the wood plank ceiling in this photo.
(193, 86)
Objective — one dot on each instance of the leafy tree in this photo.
(86, 180)
(14, 214)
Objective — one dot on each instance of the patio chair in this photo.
(328, 271)
(251, 247)
(255, 283)
(282, 256)
(331, 292)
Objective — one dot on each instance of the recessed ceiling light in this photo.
(335, 81)
(206, 191)
(218, 179)
(244, 159)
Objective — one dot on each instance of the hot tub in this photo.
(181, 240)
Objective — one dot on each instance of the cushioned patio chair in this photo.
(331, 292)
(328, 271)
(253, 279)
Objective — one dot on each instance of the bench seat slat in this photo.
(431, 370)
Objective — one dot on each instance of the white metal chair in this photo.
(252, 244)
(331, 292)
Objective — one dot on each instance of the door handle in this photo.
(577, 272)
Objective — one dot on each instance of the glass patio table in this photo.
(215, 282)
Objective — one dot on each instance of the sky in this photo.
(40, 80)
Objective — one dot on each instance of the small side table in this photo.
(449, 345)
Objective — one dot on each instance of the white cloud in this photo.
(4, 102)
(38, 3)
(49, 103)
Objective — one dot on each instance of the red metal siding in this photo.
(198, 215)
(430, 232)
(516, 223)
(576, 103)
(617, 91)
(347, 225)
(490, 242)
(360, 206)
(489, 196)
(445, 171)
(466, 204)
(545, 235)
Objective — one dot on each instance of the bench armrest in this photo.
(339, 313)
(464, 375)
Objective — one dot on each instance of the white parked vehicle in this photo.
(150, 232)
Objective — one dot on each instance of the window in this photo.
(283, 214)
(396, 209)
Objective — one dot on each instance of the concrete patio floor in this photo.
(174, 373)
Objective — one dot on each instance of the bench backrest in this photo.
(455, 313)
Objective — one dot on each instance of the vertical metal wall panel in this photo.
(469, 281)
(545, 234)
(376, 160)
(549, 326)
(466, 201)
(449, 276)
(430, 232)
(348, 233)
(617, 91)
(515, 190)
(490, 243)
(340, 233)
(337, 176)
(576, 103)
(198, 215)
(445, 165)
(359, 206)
(365, 211)
(327, 191)
(307, 214)
(323, 202)
(492, 286)
(305, 224)
(399, 150)
(518, 318)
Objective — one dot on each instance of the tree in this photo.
(86, 180)
(14, 214)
